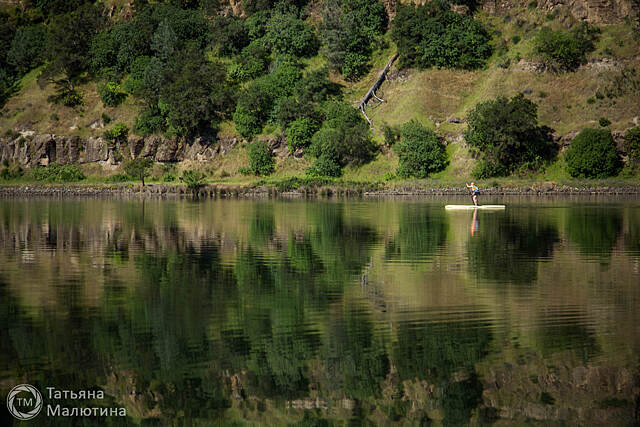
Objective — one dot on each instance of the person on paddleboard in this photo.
(474, 193)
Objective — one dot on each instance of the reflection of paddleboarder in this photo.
(474, 222)
(474, 193)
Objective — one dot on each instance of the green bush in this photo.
(593, 154)
(66, 96)
(420, 152)
(194, 179)
(119, 177)
(326, 165)
(251, 63)
(168, 177)
(505, 135)
(118, 133)
(344, 136)
(564, 50)
(57, 173)
(261, 161)
(604, 122)
(632, 146)
(391, 134)
(300, 132)
(110, 94)
(10, 170)
(150, 121)
(434, 36)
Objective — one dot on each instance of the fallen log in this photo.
(362, 105)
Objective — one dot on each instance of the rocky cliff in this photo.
(33, 150)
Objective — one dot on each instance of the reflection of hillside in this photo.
(369, 309)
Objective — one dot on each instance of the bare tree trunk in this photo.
(362, 105)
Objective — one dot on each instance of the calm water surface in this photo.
(388, 311)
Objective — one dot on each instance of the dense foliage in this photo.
(593, 154)
(57, 173)
(420, 152)
(564, 50)
(344, 138)
(506, 137)
(432, 35)
(261, 161)
(632, 147)
(350, 31)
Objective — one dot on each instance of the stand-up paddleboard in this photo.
(469, 207)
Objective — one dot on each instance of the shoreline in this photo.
(155, 190)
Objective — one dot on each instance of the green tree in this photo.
(286, 34)
(420, 151)
(195, 95)
(139, 168)
(506, 136)
(68, 47)
(28, 48)
(593, 154)
(433, 35)
(350, 30)
(163, 42)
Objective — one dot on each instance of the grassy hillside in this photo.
(567, 102)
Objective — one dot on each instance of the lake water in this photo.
(389, 311)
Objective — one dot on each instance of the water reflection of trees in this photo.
(510, 245)
(421, 230)
(594, 229)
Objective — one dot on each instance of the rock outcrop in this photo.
(33, 150)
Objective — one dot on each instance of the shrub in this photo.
(434, 35)
(593, 154)
(261, 162)
(251, 63)
(325, 165)
(300, 132)
(632, 146)
(66, 96)
(57, 173)
(110, 94)
(119, 177)
(139, 168)
(10, 170)
(168, 177)
(564, 50)
(505, 134)
(346, 133)
(194, 179)
(116, 134)
(391, 134)
(150, 121)
(420, 152)
(105, 118)
(604, 122)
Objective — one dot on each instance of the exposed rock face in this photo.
(33, 150)
(593, 11)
